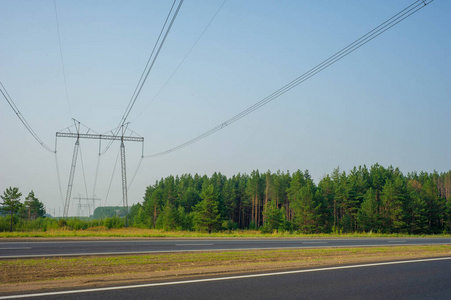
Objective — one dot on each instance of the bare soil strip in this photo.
(43, 274)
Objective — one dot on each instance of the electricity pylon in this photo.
(77, 135)
(81, 207)
(90, 201)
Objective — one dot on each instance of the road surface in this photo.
(423, 279)
(9, 249)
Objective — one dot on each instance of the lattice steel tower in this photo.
(77, 135)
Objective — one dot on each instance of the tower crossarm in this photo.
(100, 137)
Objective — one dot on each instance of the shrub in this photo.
(62, 223)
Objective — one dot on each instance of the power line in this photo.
(59, 178)
(141, 79)
(153, 62)
(112, 176)
(136, 172)
(405, 13)
(97, 173)
(62, 60)
(149, 65)
(22, 118)
(181, 62)
(83, 171)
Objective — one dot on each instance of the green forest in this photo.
(375, 200)
(378, 199)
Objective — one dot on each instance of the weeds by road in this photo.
(132, 232)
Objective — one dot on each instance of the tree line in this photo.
(377, 199)
(31, 215)
(103, 212)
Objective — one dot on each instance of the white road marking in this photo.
(401, 241)
(16, 248)
(314, 242)
(181, 245)
(221, 278)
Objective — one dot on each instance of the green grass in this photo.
(102, 232)
(212, 257)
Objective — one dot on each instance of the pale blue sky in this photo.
(386, 103)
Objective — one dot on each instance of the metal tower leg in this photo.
(124, 182)
(71, 179)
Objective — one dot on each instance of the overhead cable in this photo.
(22, 118)
(62, 60)
(136, 172)
(112, 176)
(59, 178)
(83, 170)
(405, 13)
(181, 62)
(149, 65)
(95, 178)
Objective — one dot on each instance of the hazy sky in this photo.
(387, 103)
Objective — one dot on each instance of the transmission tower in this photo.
(77, 135)
(82, 207)
(72, 170)
(90, 203)
(124, 177)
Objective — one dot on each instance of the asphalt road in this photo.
(10, 249)
(418, 280)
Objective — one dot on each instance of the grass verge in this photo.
(38, 274)
(132, 232)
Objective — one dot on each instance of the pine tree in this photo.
(368, 214)
(273, 216)
(254, 190)
(11, 203)
(435, 205)
(152, 205)
(327, 191)
(207, 216)
(169, 217)
(392, 203)
(32, 208)
(306, 209)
